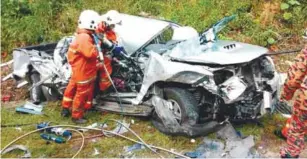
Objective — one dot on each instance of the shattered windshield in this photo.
(199, 45)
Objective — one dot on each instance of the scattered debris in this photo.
(19, 147)
(235, 146)
(6, 98)
(134, 147)
(21, 84)
(192, 140)
(129, 150)
(7, 77)
(96, 152)
(120, 129)
(132, 121)
(209, 148)
(18, 128)
(95, 125)
(7, 63)
(30, 108)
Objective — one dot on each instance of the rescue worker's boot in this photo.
(65, 112)
(79, 121)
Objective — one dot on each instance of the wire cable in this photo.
(96, 129)
(37, 130)
(142, 141)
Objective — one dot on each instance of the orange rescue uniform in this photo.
(104, 82)
(82, 56)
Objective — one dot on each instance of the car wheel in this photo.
(36, 93)
(184, 106)
(50, 94)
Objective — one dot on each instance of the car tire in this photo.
(36, 93)
(50, 94)
(186, 102)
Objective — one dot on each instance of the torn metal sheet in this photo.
(161, 69)
(21, 84)
(7, 63)
(21, 63)
(18, 147)
(234, 147)
(7, 77)
(120, 129)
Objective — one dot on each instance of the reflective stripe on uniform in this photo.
(72, 50)
(67, 99)
(105, 80)
(86, 81)
(88, 102)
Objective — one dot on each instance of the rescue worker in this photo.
(297, 80)
(106, 26)
(82, 55)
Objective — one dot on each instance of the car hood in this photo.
(135, 32)
(221, 52)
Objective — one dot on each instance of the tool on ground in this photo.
(55, 130)
(56, 139)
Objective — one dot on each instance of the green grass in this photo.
(108, 147)
(28, 22)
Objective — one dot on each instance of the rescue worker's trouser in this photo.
(69, 94)
(104, 82)
(297, 127)
(79, 96)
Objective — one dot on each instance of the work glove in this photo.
(117, 50)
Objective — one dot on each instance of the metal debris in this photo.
(235, 146)
(7, 77)
(96, 152)
(7, 63)
(19, 147)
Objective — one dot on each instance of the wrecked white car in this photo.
(188, 86)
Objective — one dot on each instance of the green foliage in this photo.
(29, 22)
(294, 2)
(271, 41)
(294, 11)
(287, 16)
(284, 6)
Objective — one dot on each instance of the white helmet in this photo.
(88, 19)
(184, 33)
(111, 17)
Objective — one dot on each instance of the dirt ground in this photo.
(8, 87)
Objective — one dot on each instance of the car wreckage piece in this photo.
(188, 86)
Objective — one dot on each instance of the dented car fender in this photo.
(162, 69)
